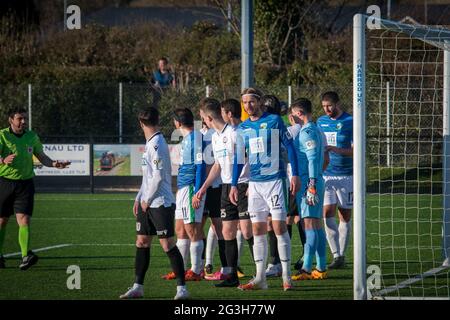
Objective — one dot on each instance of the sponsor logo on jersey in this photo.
(222, 153)
(311, 144)
(223, 213)
(288, 135)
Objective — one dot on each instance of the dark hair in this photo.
(184, 116)
(233, 106)
(16, 110)
(164, 59)
(211, 107)
(272, 104)
(303, 104)
(330, 96)
(149, 117)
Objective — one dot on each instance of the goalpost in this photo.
(401, 111)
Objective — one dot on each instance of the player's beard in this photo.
(253, 111)
(333, 114)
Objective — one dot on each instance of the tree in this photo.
(281, 27)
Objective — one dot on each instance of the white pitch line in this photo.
(410, 281)
(126, 244)
(39, 249)
(107, 244)
(67, 200)
(81, 219)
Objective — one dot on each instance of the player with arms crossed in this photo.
(311, 158)
(17, 147)
(338, 128)
(260, 137)
(154, 208)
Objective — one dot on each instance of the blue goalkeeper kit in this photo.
(311, 150)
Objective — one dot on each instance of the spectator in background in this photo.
(162, 79)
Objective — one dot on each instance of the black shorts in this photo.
(231, 212)
(156, 221)
(293, 208)
(212, 202)
(16, 196)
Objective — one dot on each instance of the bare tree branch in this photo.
(233, 21)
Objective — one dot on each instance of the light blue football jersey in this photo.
(192, 148)
(263, 140)
(311, 151)
(339, 133)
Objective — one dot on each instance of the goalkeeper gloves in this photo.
(312, 198)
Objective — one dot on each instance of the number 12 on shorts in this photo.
(275, 199)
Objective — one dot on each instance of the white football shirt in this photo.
(156, 188)
(224, 144)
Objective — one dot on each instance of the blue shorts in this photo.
(307, 211)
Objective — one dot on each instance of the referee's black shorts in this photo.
(16, 196)
(156, 221)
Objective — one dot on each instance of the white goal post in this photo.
(402, 189)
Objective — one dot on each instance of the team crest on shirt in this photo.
(263, 125)
(158, 164)
(30, 150)
(311, 144)
(155, 147)
(339, 125)
(225, 140)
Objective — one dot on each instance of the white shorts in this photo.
(267, 197)
(339, 190)
(184, 209)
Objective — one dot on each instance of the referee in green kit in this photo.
(17, 147)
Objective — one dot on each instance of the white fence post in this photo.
(120, 111)
(289, 96)
(30, 114)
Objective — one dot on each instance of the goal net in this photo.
(402, 160)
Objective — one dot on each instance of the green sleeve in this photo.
(37, 146)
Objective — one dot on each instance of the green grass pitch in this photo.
(98, 232)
